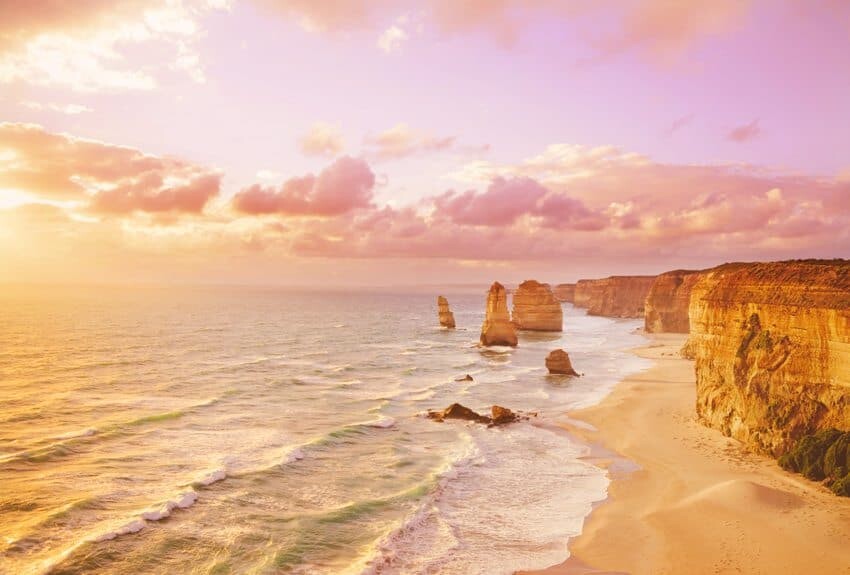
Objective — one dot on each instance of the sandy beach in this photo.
(700, 502)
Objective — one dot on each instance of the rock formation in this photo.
(497, 328)
(616, 296)
(447, 318)
(536, 309)
(666, 307)
(558, 362)
(466, 377)
(565, 292)
(498, 415)
(772, 348)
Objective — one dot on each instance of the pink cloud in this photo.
(347, 184)
(322, 140)
(745, 132)
(401, 141)
(109, 178)
(504, 201)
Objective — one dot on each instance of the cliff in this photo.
(616, 296)
(771, 343)
(444, 314)
(565, 292)
(497, 328)
(536, 309)
(666, 307)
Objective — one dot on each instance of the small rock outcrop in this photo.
(536, 309)
(498, 328)
(501, 415)
(615, 296)
(447, 318)
(565, 292)
(466, 377)
(498, 415)
(558, 363)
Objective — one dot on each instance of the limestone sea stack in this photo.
(558, 363)
(498, 328)
(615, 296)
(666, 307)
(447, 318)
(536, 309)
(772, 348)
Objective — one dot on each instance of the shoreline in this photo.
(698, 502)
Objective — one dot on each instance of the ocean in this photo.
(247, 430)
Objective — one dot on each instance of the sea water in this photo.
(247, 430)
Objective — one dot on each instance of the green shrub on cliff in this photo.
(824, 455)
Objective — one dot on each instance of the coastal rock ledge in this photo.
(772, 348)
(536, 309)
(446, 317)
(497, 328)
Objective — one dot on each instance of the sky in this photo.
(401, 142)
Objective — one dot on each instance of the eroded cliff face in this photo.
(535, 308)
(497, 328)
(616, 296)
(666, 306)
(565, 292)
(771, 343)
(444, 314)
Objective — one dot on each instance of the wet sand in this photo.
(699, 503)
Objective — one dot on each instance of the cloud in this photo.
(346, 185)
(322, 140)
(745, 132)
(86, 45)
(391, 39)
(501, 204)
(661, 28)
(401, 141)
(679, 123)
(68, 109)
(99, 176)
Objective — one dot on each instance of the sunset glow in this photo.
(293, 142)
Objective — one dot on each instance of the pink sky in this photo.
(385, 141)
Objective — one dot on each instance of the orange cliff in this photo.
(565, 292)
(772, 348)
(498, 328)
(666, 307)
(615, 296)
(536, 309)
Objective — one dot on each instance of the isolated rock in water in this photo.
(558, 362)
(502, 415)
(458, 411)
(536, 309)
(447, 318)
(466, 377)
(497, 328)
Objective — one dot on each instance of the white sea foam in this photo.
(212, 477)
(132, 527)
(294, 455)
(74, 434)
(382, 422)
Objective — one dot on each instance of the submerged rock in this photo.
(447, 318)
(498, 328)
(558, 362)
(466, 377)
